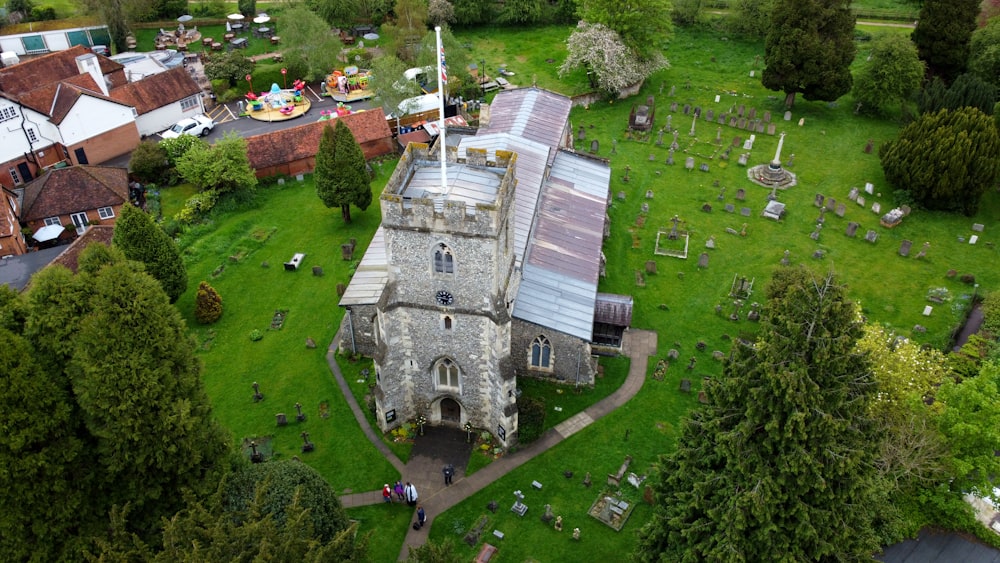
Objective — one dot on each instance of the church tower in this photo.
(443, 324)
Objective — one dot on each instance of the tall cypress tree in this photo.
(809, 49)
(943, 34)
(341, 172)
(144, 241)
(778, 465)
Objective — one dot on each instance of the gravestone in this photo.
(760, 126)
(788, 116)
(978, 227)
(709, 115)
(669, 119)
(730, 208)
(822, 216)
(732, 121)
(621, 196)
(831, 204)
(721, 120)
(718, 135)
(820, 198)
(819, 254)
(973, 239)
(904, 248)
(752, 114)
(689, 163)
(282, 419)
(687, 109)
(745, 211)
(650, 267)
(519, 507)
(740, 111)
(703, 167)
(722, 194)
(923, 251)
(770, 129)
(871, 236)
(649, 194)
(869, 146)
(743, 159)
(594, 146)
(697, 111)
(706, 208)
(710, 243)
(767, 116)
(815, 234)
(673, 106)
(869, 188)
(645, 207)
(736, 141)
(673, 89)
(852, 229)
(841, 209)
(741, 194)
(748, 144)
(548, 516)
(659, 138)
(786, 260)
(703, 260)
(853, 195)
(670, 158)
(652, 157)
(876, 208)
(742, 123)
(581, 134)
(860, 201)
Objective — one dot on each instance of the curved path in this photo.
(425, 474)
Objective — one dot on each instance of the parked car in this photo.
(199, 126)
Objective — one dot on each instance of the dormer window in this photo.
(444, 261)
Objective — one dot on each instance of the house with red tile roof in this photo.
(11, 240)
(161, 99)
(293, 151)
(57, 109)
(76, 196)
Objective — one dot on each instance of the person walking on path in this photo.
(386, 493)
(398, 489)
(449, 472)
(421, 517)
(411, 494)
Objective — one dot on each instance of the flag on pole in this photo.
(444, 66)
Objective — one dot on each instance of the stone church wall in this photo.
(571, 356)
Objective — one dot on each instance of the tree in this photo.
(967, 90)
(520, 12)
(232, 66)
(341, 172)
(408, 30)
(473, 12)
(247, 7)
(391, 87)
(984, 52)
(440, 12)
(114, 14)
(643, 25)
(892, 72)
(601, 51)
(942, 36)
(149, 161)
(207, 304)
(142, 240)
(686, 12)
(307, 37)
(945, 160)
(809, 49)
(434, 552)
(970, 421)
(223, 167)
(778, 466)
(750, 17)
(458, 61)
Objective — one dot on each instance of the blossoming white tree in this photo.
(612, 65)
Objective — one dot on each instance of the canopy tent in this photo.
(48, 232)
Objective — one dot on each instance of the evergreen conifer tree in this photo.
(144, 241)
(341, 172)
(942, 36)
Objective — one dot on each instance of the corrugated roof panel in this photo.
(530, 113)
(371, 276)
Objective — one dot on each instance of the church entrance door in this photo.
(450, 410)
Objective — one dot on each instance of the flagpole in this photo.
(442, 78)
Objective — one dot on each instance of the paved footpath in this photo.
(425, 474)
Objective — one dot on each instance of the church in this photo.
(486, 271)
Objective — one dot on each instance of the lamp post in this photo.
(421, 421)
(250, 81)
(468, 432)
(284, 77)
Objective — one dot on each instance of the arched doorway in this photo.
(451, 411)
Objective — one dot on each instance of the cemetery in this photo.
(698, 300)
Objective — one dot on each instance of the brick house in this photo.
(57, 109)
(161, 99)
(11, 241)
(77, 195)
(293, 151)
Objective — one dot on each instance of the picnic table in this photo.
(239, 42)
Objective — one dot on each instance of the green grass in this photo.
(172, 198)
(387, 525)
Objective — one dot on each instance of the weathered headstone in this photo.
(871, 236)
(819, 254)
(581, 134)
(767, 116)
(770, 129)
(923, 251)
(689, 163)
(742, 123)
(673, 89)
(707, 208)
(788, 116)
(841, 209)
(752, 114)
(659, 138)
(732, 121)
(703, 260)
(741, 194)
(819, 200)
(860, 201)
(904, 248)
(853, 195)
(645, 207)
(709, 115)
(852, 229)
(743, 159)
(703, 167)
(869, 146)
(697, 111)
(687, 109)
(876, 208)
(649, 194)
(650, 267)
(710, 243)
(869, 188)
(745, 211)
(978, 227)
(831, 204)
(730, 208)
(740, 111)
(673, 106)
(786, 260)
(815, 234)
(594, 146)
(760, 126)
(736, 141)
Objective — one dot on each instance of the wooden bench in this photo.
(295, 262)
(486, 553)
(616, 479)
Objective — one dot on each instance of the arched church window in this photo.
(446, 374)
(446, 322)
(444, 260)
(541, 353)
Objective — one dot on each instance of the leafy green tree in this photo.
(223, 167)
(473, 12)
(307, 37)
(440, 12)
(643, 25)
(686, 12)
(968, 90)
(778, 466)
(970, 421)
(458, 60)
(142, 240)
(149, 161)
(232, 66)
(341, 172)
(391, 87)
(750, 17)
(247, 7)
(945, 160)
(892, 72)
(207, 304)
(809, 49)
(984, 52)
(610, 64)
(176, 147)
(520, 12)
(408, 30)
(435, 552)
(942, 36)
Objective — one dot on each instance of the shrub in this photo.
(256, 335)
(968, 279)
(991, 313)
(207, 304)
(531, 419)
(149, 161)
(178, 147)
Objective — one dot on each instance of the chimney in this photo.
(88, 64)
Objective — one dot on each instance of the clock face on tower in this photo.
(445, 298)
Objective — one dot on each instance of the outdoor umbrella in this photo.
(48, 232)
(370, 36)
(235, 16)
(263, 18)
(185, 18)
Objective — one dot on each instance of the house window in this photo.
(14, 176)
(188, 104)
(52, 221)
(7, 113)
(106, 212)
(32, 136)
(446, 322)
(446, 374)
(444, 262)
(541, 353)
